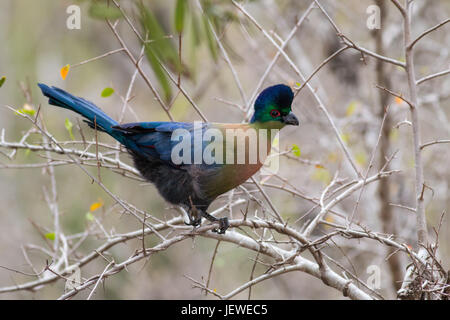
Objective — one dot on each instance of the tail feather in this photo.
(95, 117)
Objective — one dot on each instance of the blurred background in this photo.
(36, 44)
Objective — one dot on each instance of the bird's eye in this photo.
(275, 113)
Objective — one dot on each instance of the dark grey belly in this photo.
(176, 185)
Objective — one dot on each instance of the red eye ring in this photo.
(274, 113)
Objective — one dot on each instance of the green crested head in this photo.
(273, 107)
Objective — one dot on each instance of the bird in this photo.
(181, 178)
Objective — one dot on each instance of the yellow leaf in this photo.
(263, 180)
(64, 71)
(393, 135)
(95, 206)
(424, 70)
(275, 142)
(50, 235)
(351, 108)
(361, 158)
(330, 219)
(322, 175)
(296, 150)
(27, 109)
(345, 137)
(333, 157)
(107, 92)
(398, 100)
(401, 60)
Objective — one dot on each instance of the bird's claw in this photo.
(193, 222)
(223, 226)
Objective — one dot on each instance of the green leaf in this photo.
(27, 109)
(69, 127)
(180, 13)
(101, 10)
(194, 41)
(210, 38)
(2, 81)
(296, 150)
(31, 112)
(107, 92)
(159, 50)
(196, 30)
(89, 216)
(50, 236)
(161, 44)
(159, 73)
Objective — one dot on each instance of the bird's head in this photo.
(273, 107)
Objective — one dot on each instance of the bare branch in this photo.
(423, 34)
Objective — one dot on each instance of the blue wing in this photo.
(155, 139)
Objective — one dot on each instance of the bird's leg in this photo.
(223, 222)
(195, 218)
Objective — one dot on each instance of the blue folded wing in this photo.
(148, 139)
(157, 139)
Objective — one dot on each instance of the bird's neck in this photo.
(272, 129)
(267, 125)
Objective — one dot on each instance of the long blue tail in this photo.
(96, 117)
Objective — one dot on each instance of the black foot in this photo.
(223, 225)
(193, 221)
(223, 222)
